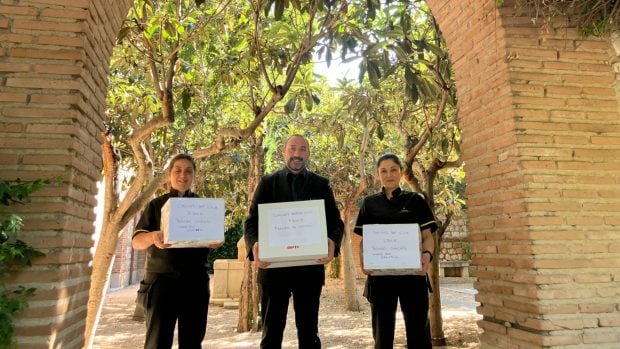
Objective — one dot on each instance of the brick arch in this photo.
(54, 59)
(539, 115)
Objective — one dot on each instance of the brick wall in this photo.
(53, 76)
(540, 124)
(128, 263)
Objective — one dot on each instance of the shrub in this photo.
(14, 255)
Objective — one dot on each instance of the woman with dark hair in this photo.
(175, 286)
(395, 206)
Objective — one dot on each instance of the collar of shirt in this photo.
(301, 173)
(395, 193)
(177, 194)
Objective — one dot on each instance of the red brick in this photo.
(43, 83)
(57, 69)
(16, 38)
(75, 41)
(65, 13)
(66, 3)
(13, 97)
(64, 54)
(18, 10)
(55, 98)
(42, 113)
(48, 26)
(8, 159)
(14, 67)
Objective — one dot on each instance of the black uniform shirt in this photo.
(169, 260)
(277, 187)
(404, 208)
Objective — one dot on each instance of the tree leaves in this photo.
(15, 191)
(14, 254)
(186, 99)
(289, 107)
(374, 74)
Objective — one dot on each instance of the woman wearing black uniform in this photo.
(395, 206)
(176, 281)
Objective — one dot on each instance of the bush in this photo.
(229, 249)
(14, 255)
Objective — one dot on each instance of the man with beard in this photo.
(292, 183)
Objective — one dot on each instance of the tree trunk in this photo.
(257, 322)
(350, 269)
(351, 297)
(101, 269)
(244, 323)
(436, 317)
(248, 299)
(106, 245)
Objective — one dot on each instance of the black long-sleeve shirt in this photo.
(276, 187)
(169, 260)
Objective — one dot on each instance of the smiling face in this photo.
(389, 173)
(181, 174)
(296, 153)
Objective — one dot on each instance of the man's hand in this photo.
(331, 246)
(257, 260)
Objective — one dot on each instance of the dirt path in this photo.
(338, 328)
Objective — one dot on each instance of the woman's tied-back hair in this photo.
(178, 157)
(389, 156)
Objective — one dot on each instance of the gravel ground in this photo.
(338, 328)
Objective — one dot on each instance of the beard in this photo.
(295, 164)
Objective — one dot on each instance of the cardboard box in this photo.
(192, 222)
(392, 249)
(292, 233)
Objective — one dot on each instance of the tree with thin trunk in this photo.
(248, 302)
(149, 123)
(404, 58)
(305, 25)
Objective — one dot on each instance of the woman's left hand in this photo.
(426, 264)
(215, 245)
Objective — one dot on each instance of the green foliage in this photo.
(15, 254)
(404, 69)
(225, 176)
(229, 249)
(14, 192)
(593, 17)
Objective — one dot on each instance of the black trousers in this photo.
(274, 306)
(183, 298)
(384, 293)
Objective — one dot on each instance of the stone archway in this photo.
(540, 120)
(54, 59)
